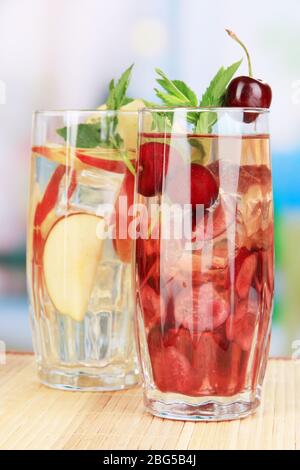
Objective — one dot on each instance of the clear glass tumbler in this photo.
(204, 260)
(79, 269)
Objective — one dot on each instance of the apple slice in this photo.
(104, 159)
(59, 154)
(50, 195)
(79, 158)
(123, 242)
(71, 255)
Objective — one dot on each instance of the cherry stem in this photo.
(236, 39)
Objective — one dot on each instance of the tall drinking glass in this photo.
(204, 260)
(79, 268)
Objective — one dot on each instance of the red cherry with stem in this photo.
(153, 165)
(246, 92)
(204, 188)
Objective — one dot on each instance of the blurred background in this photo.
(62, 54)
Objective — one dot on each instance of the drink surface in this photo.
(205, 297)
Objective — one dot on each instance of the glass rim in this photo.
(55, 112)
(60, 112)
(169, 109)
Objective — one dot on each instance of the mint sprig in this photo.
(102, 133)
(214, 96)
(177, 93)
(161, 120)
(117, 92)
(87, 135)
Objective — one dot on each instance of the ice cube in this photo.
(96, 191)
(111, 287)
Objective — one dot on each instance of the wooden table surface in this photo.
(33, 416)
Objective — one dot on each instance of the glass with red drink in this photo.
(204, 260)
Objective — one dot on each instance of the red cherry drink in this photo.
(205, 298)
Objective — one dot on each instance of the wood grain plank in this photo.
(35, 417)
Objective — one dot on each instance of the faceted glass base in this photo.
(76, 379)
(202, 409)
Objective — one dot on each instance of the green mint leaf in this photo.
(110, 102)
(111, 85)
(127, 100)
(87, 135)
(169, 100)
(117, 91)
(168, 85)
(120, 89)
(162, 120)
(205, 122)
(178, 92)
(156, 121)
(151, 104)
(62, 132)
(117, 141)
(214, 94)
(103, 133)
(186, 91)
